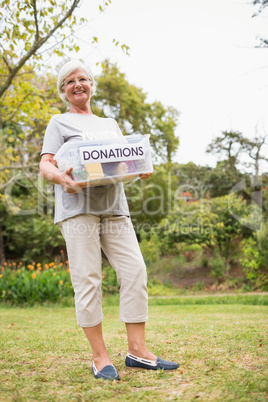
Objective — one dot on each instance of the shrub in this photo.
(218, 225)
(262, 238)
(47, 283)
(34, 284)
(217, 267)
(150, 247)
(253, 262)
(32, 239)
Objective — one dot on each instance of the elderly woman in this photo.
(95, 219)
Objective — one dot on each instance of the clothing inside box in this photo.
(111, 169)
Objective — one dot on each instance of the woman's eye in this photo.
(70, 82)
(82, 79)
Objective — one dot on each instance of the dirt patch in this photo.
(192, 277)
(202, 278)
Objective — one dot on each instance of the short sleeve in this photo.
(53, 138)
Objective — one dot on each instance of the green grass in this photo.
(249, 299)
(221, 348)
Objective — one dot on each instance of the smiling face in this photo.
(77, 88)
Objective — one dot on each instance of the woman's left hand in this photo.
(145, 176)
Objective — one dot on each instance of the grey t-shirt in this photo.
(102, 200)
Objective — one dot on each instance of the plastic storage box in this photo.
(108, 161)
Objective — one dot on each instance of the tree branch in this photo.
(36, 21)
(36, 45)
(7, 64)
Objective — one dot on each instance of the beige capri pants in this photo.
(85, 236)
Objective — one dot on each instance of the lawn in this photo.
(221, 348)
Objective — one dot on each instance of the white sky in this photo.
(197, 56)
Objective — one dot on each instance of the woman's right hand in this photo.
(69, 185)
(49, 171)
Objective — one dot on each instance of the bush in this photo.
(254, 264)
(218, 267)
(189, 251)
(35, 284)
(47, 283)
(262, 238)
(150, 247)
(32, 239)
(218, 225)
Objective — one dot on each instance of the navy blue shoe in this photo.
(107, 373)
(138, 362)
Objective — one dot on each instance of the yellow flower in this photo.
(38, 265)
(1, 276)
(60, 282)
(33, 276)
(19, 271)
(54, 274)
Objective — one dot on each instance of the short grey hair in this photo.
(66, 70)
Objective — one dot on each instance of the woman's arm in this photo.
(50, 172)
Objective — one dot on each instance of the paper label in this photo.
(111, 153)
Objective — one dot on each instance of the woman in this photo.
(95, 219)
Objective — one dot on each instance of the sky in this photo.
(197, 56)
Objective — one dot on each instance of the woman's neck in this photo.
(85, 109)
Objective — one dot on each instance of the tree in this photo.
(262, 4)
(192, 178)
(163, 121)
(25, 112)
(230, 144)
(254, 148)
(28, 25)
(222, 179)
